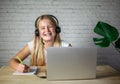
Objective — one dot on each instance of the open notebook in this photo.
(32, 71)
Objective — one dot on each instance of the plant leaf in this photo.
(107, 31)
(99, 30)
(117, 43)
(102, 42)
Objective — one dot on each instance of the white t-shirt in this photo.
(63, 44)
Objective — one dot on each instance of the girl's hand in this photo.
(26, 69)
(22, 68)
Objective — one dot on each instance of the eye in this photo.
(51, 26)
(42, 28)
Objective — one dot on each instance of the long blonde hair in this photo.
(38, 56)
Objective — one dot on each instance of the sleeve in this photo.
(64, 44)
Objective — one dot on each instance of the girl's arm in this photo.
(22, 54)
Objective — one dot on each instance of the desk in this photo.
(105, 75)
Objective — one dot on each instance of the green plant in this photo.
(110, 35)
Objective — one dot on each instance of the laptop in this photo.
(69, 63)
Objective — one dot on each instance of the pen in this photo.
(20, 60)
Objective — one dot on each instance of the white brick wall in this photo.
(77, 19)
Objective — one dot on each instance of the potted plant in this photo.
(109, 35)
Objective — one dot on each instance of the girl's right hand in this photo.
(22, 68)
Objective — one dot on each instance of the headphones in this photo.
(57, 29)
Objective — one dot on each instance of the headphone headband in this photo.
(56, 20)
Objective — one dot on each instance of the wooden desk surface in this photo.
(105, 75)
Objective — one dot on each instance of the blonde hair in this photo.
(38, 56)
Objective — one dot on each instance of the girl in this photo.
(46, 35)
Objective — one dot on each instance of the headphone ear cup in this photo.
(36, 32)
(58, 30)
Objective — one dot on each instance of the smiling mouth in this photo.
(48, 34)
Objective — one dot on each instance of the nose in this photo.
(46, 29)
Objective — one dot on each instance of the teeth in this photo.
(49, 34)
